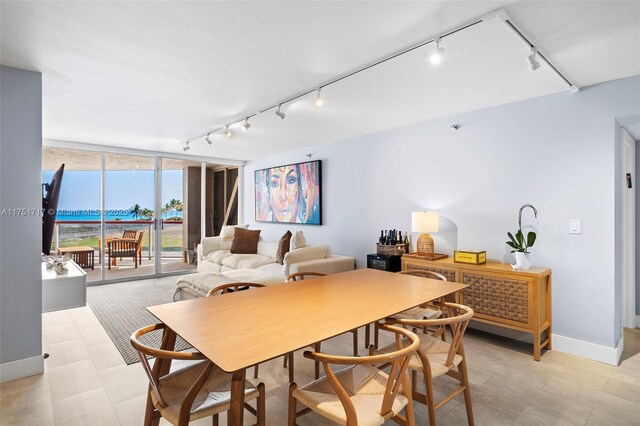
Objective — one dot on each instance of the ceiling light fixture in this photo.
(185, 146)
(319, 101)
(532, 60)
(498, 14)
(246, 124)
(436, 57)
(208, 139)
(228, 132)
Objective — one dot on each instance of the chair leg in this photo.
(376, 329)
(149, 410)
(214, 420)
(292, 405)
(284, 361)
(316, 348)
(355, 342)
(261, 405)
(406, 385)
(462, 368)
(255, 371)
(367, 336)
(291, 378)
(431, 404)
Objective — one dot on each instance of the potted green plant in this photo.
(520, 244)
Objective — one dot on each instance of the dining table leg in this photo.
(236, 411)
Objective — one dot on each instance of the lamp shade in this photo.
(425, 222)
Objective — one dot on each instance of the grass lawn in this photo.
(171, 239)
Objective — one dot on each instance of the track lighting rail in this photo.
(501, 14)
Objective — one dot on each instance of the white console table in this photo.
(63, 291)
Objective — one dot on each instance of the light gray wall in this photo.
(636, 182)
(20, 236)
(556, 152)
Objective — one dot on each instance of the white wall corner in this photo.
(637, 321)
(21, 368)
(589, 350)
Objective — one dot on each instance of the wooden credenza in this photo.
(500, 296)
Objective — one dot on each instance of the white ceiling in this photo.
(149, 75)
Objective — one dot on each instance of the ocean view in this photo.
(110, 215)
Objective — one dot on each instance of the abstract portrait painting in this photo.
(289, 194)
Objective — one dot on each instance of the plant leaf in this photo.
(531, 238)
(520, 238)
(512, 245)
(510, 235)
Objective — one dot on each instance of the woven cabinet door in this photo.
(449, 274)
(498, 297)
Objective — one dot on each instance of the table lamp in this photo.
(425, 222)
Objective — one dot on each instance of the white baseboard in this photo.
(21, 368)
(589, 350)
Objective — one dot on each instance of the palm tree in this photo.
(174, 204)
(136, 211)
(147, 213)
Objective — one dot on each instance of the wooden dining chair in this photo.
(199, 390)
(360, 394)
(428, 310)
(436, 357)
(231, 288)
(301, 276)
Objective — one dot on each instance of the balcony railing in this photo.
(87, 233)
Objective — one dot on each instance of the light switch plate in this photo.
(575, 226)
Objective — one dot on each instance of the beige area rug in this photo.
(121, 309)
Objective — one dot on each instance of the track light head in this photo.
(319, 101)
(208, 139)
(185, 146)
(532, 60)
(280, 113)
(228, 132)
(436, 57)
(246, 124)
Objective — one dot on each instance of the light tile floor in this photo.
(86, 382)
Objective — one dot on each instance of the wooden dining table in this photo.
(238, 330)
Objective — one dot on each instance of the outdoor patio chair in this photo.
(125, 247)
(127, 233)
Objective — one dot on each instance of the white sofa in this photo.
(217, 265)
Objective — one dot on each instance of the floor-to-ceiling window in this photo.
(78, 222)
(129, 215)
(180, 204)
(153, 211)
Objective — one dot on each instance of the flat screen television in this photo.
(50, 195)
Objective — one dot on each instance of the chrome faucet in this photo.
(535, 212)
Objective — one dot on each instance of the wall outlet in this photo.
(575, 226)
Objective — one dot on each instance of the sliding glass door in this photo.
(129, 216)
(77, 227)
(179, 228)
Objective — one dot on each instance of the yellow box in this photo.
(473, 257)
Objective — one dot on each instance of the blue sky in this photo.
(81, 189)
